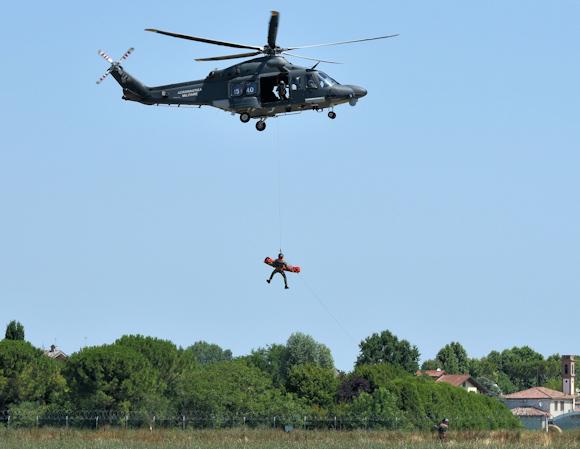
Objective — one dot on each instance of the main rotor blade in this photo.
(204, 40)
(343, 42)
(239, 55)
(311, 59)
(273, 29)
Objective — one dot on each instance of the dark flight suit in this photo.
(279, 266)
(442, 430)
(281, 89)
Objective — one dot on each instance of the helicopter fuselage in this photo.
(250, 88)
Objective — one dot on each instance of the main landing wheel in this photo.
(245, 117)
(332, 115)
(260, 125)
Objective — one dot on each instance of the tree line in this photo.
(140, 374)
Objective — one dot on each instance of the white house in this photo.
(552, 402)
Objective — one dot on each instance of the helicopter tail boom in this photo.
(133, 89)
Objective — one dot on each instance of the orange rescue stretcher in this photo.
(291, 269)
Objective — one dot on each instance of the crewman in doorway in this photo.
(281, 90)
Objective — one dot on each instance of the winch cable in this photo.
(279, 175)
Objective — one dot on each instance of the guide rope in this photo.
(327, 309)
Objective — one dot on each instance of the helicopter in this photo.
(259, 88)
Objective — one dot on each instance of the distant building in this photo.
(539, 405)
(55, 353)
(433, 373)
(553, 402)
(464, 381)
(568, 374)
(532, 418)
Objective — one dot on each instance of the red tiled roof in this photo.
(529, 411)
(454, 379)
(430, 372)
(538, 393)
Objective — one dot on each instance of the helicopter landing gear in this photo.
(260, 125)
(331, 115)
(244, 117)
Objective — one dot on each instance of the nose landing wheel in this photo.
(260, 125)
(332, 115)
(244, 117)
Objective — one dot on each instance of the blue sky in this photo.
(443, 207)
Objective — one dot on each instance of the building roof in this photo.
(55, 353)
(538, 393)
(455, 379)
(529, 411)
(430, 372)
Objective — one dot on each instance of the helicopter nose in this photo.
(359, 92)
(339, 91)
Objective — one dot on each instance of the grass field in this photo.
(270, 439)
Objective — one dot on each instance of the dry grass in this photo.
(273, 439)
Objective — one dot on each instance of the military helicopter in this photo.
(259, 88)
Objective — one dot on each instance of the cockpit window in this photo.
(312, 81)
(325, 80)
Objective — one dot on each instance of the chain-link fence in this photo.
(95, 419)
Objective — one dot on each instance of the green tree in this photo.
(453, 358)
(165, 358)
(302, 349)
(233, 388)
(278, 360)
(491, 387)
(14, 331)
(27, 375)
(205, 353)
(387, 348)
(430, 364)
(271, 360)
(315, 384)
(116, 378)
(517, 368)
(551, 376)
(351, 386)
(378, 409)
(381, 375)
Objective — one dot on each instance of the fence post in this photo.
(66, 421)
(183, 422)
(153, 424)
(96, 422)
(304, 425)
(274, 422)
(244, 421)
(8, 421)
(36, 420)
(335, 423)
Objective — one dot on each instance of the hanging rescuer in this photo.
(280, 266)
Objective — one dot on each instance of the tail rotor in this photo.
(111, 61)
(126, 54)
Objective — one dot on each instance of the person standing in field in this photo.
(442, 429)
